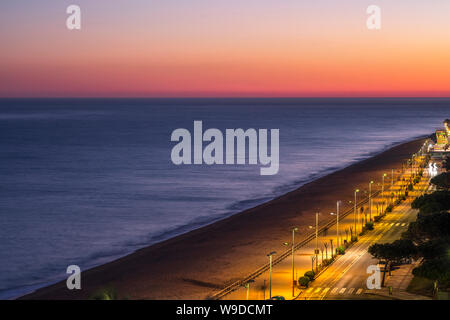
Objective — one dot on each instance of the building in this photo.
(442, 146)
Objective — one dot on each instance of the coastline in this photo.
(195, 264)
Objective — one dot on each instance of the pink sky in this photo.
(225, 48)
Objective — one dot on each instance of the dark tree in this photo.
(431, 203)
(435, 269)
(429, 227)
(442, 181)
(446, 163)
(392, 252)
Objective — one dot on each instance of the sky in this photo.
(208, 48)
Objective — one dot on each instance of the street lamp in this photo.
(316, 251)
(370, 200)
(392, 179)
(382, 193)
(270, 255)
(247, 286)
(293, 248)
(338, 203)
(355, 213)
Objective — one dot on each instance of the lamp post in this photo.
(382, 193)
(392, 180)
(270, 255)
(391, 197)
(247, 286)
(370, 200)
(355, 213)
(317, 239)
(293, 249)
(338, 203)
(316, 250)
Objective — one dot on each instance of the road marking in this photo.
(403, 224)
(397, 224)
(337, 275)
(350, 291)
(325, 290)
(309, 290)
(317, 290)
(360, 290)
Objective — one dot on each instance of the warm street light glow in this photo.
(382, 193)
(370, 200)
(294, 230)
(338, 203)
(270, 255)
(355, 213)
(247, 286)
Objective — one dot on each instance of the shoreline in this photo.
(154, 272)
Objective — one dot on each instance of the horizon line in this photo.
(223, 97)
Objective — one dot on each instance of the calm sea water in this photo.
(86, 181)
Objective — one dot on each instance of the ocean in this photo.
(85, 181)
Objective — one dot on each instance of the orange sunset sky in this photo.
(180, 48)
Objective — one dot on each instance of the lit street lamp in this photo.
(370, 200)
(270, 273)
(316, 251)
(338, 203)
(392, 180)
(382, 193)
(293, 248)
(355, 213)
(247, 286)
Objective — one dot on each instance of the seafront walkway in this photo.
(346, 277)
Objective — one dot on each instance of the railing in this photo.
(236, 285)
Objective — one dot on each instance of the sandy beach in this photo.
(197, 264)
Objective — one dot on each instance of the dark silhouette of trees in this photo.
(430, 203)
(429, 227)
(393, 252)
(442, 181)
(446, 163)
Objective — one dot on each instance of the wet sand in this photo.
(197, 264)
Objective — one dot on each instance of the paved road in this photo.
(346, 278)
